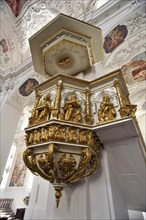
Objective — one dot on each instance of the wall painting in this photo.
(135, 70)
(16, 6)
(28, 87)
(4, 45)
(19, 172)
(115, 38)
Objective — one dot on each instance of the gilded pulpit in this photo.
(75, 123)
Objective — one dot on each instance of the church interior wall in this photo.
(129, 15)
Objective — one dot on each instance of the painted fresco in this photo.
(4, 54)
(135, 70)
(28, 87)
(19, 172)
(115, 38)
(4, 45)
(16, 6)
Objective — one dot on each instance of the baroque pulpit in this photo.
(83, 142)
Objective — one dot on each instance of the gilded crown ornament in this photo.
(61, 138)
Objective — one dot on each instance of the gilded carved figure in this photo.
(42, 116)
(61, 116)
(82, 136)
(61, 133)
(30, 160)
(52, 131)
(44, 134)
(72, 109)
(72, 134)
(41, 110)
(37, 136)
(34, 114)
(77, 116)
(45, 166)
(44, 108)
(43, 163)
(30, 138)
(66, 165)
(45, 101)
(106, 111)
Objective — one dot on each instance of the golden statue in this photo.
(72, 135)
(61, 133)
(30, 138)
(66, 165)
(30, 160)
(82, 136)
(43, 109)
(37, 136)
(77, 116)
(45, 166)
(72, 109)
(32, 119)
(106, 111)
(52, 131)
(60, 116)
(42, 116)
(45, 101)
(44, 134)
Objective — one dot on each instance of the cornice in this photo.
(113, 9)
(19, 70)
(28, 5)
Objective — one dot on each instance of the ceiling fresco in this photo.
(28, 87)
(135, 70)
(20, 16)
(124, 42)
(115, 38)
(16, 5)
(4, 45)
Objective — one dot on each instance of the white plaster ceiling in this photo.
(33, 15)
(16, 66)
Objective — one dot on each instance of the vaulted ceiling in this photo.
(115, 18)
(20, 19)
